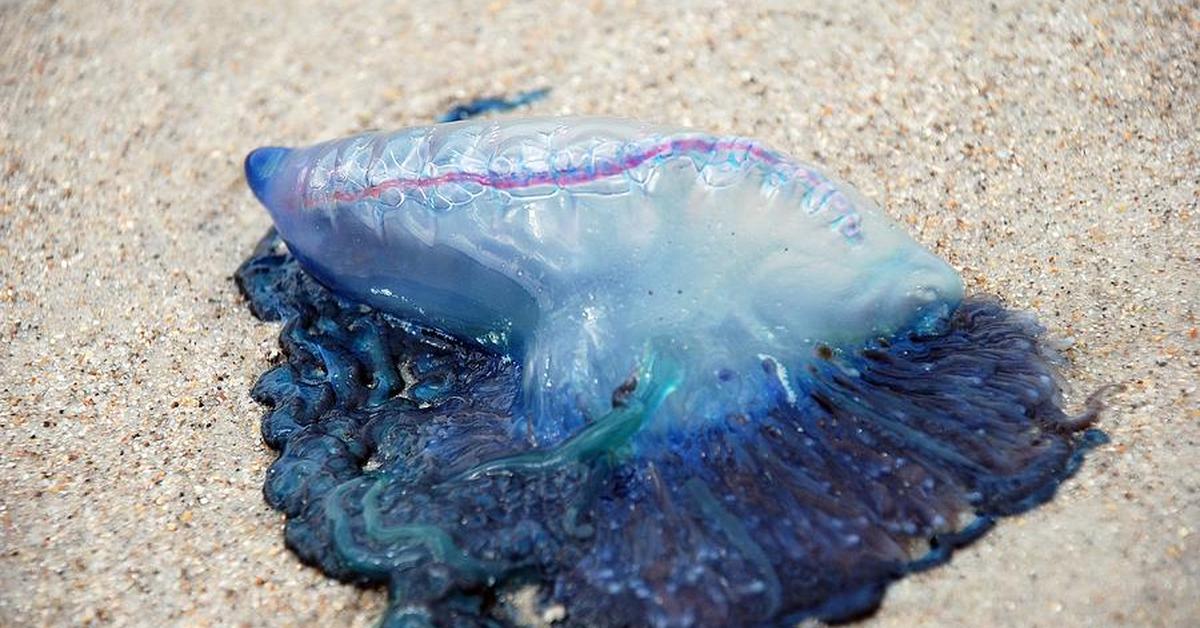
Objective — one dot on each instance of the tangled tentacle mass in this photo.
(398, 465)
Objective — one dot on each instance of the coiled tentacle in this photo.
(869, 464)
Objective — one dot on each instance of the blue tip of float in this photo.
(261, 165)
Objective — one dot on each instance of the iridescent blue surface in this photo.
(887, 424)
(582, 246)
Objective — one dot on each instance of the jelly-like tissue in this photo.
(670, 378)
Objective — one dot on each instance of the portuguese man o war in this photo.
(659, 377)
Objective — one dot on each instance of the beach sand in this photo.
(1048, 150)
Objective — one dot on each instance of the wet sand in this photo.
(1049, 152)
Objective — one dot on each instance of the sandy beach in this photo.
(1048, 150)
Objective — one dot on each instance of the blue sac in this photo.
(596, 251)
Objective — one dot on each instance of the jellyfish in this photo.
(662, 377)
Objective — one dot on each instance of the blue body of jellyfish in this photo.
(670, 378)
